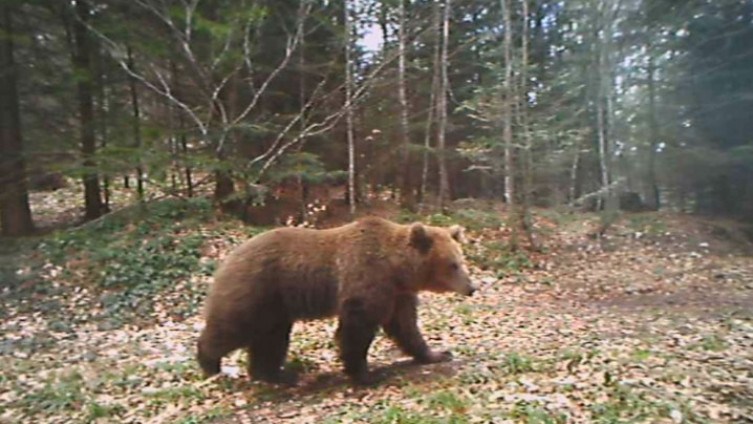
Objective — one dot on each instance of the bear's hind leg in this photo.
(267, 354)
(355, 333)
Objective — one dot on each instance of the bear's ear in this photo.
(420, 238)
(458, 233)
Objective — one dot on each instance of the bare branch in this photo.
(223, 52)
(612, 187)
(311, 130)
(183, 38)
(118, 53)
(289, 126)
(218, 89)
(289, 49)
(318, 127)
(247, 55)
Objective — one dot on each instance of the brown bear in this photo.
(367, 273)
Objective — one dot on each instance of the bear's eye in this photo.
(454, 266)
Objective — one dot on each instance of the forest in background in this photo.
(597, 152)
(601, 103)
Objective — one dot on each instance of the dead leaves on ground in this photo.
(647, 328)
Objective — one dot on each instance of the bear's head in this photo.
(441, 265)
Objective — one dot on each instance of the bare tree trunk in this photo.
(527, 177)
(444, 183)
(605, 113)
(601, 130)
(407, 198)
(302, 185)
(102, 107)
(176, 176)
(654, 200)
(349, 109)
(601, 94)
(393, 176)
(432, 100)
(224, 186)
(509, 179)
(383, 21)
(82, 64)
(136, 125)
(574, 172)
(181, 138)
(15, 213)
(184, 151)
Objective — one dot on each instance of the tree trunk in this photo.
(601, 132)
(383, 22)
(605, 116)
(136, 126)
(224, 186)
(182, 139)
(602, 71)
(82, 64)
(526, 220)
(102, 109)
(176, 175)
(407, 199)
(184, 153)
(444, 183)
(302, 184)
(349, 109)
(509, 180)
(432, 101)
(574, 173)
(653, 200)
(15, 213)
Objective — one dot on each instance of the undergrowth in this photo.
(488, 254)
(128, 257)
(471, 219)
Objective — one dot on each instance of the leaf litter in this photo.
(651, 323)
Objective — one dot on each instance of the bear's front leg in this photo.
(355, 334)
(403, 329)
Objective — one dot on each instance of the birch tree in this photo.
(444, 183)
(507, 106)
(406, 187)
(349, 107)
(607, 11)
(433, 95)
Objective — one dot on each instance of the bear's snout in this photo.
(463, 286)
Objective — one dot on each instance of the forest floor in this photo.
(652, 323)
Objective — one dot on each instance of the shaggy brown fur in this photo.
(366, 273)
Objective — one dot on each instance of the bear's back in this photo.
(300, 271)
